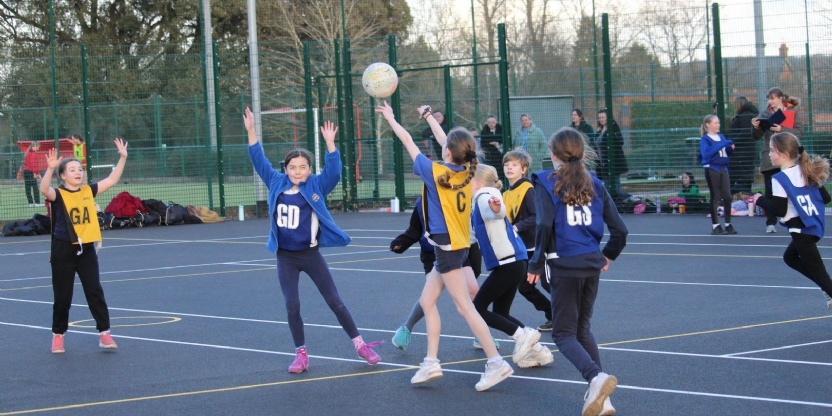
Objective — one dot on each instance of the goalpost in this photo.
(315, 133)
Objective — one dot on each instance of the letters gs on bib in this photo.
(578, 215)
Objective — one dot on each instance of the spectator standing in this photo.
(579, 123)
(491, 143)
(777, 100)
(741, 131)
(609, 145)
(31, 175)
(532, 140)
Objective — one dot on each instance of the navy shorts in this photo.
(450, 260)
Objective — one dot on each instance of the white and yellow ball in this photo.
(380, 80)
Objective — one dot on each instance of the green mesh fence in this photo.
(662, 82)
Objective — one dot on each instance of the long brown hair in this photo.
(463, 150)
(815, 169)
(575, 186)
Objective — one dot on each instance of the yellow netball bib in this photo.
(514, 198)
(456, 206)
(80, 210)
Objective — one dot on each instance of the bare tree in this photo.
(674, 31)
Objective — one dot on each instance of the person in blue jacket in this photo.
(714, 150)
(572, 207)
(300, 224)
(799, 198)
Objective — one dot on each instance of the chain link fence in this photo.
(661, 82)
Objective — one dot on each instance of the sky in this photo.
(784, 21)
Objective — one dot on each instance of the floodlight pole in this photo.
(254, 71)
(53, 75)
(207, 44)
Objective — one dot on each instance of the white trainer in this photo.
(607, 410)
(494, 374)
(599, 389)
(536, 357)
(524, 343)
(427, 373)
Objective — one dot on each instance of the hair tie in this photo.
(800, 150)
(572, 159)
(470, 155)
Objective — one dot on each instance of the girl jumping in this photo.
(300, 224)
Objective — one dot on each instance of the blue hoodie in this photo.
(314, 190)
(714, 154)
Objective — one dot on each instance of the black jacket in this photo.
(610, 147)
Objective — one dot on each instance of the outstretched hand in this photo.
(386, 111)
(248, 120)
(121, 145)
(329, 130)
(424, 110)
(53, 159)
(494, 203)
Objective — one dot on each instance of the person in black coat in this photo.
(742, 165)
(609, 145)
(491, 143)
(433, 150)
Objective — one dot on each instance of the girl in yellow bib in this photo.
(446, 199)
(75, 233)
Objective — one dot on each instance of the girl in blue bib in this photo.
(799, 199)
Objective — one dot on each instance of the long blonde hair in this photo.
(815, 169)
(463, 150)
(487, 175)
(575, 186)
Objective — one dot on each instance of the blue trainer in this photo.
(401, 339)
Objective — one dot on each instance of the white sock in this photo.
(495, 361)
(429, 361)
(715, 225)
(727, 224)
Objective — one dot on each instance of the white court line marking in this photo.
(725, 356)
(226, 263)
(449, 370)
(338, 327)
(785, 347)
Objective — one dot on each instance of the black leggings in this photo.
(719, 183)
(65, 263)
(802, 255)
(771, 219)
(500, 288)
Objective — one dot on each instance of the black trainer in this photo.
(730, 229)
(718, 231)
(545, 327)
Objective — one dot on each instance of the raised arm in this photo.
(115, 175)
(407, 140)
(435, 127)
(52, 162)
(248, 122)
